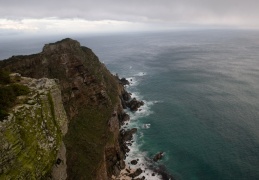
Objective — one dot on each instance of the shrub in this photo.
(8, 94)
(4, 77)
(20, 89)
(3, 114)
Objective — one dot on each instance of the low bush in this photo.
(9, 93)
(4, 77)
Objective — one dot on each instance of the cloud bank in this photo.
(127, 14)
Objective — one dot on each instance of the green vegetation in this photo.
(88, 132)
(87, 136)
(4, 77)
(32, 136)
(8, 93)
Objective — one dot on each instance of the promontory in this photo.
(61, 112)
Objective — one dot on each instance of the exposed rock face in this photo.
(126, 96)
(134, 104)
(82, 77)
(124, 117)
(127, 135)
(90, 95)
(31, 136)
(59, 169)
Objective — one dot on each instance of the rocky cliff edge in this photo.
(31, 135)
(91, 97)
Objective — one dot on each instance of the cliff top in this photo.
(64, 44)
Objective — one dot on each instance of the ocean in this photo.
(201, 94)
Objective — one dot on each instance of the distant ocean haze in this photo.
(201, 94)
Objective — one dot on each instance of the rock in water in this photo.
(158, 156)
(136, 173)
(127, 135)
(134, 162)
(134, 104)
(126, 96)
(124, 81)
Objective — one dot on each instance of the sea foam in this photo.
(135, 118)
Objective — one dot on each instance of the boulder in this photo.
(158, 156)
(126, 96)
(136, 173)
(124, 81)
(134, 162)
(127, 135)
(123, 118)
(134, 104)
(122, 164)
(116, 170)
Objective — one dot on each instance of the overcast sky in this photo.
(125, 15)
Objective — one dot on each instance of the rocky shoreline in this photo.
(95, 145)
(126, 140)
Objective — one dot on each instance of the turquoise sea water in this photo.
(201, 93)
(205, 85)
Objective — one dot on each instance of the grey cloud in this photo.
(172, 11)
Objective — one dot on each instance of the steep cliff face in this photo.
(31, 136)
(90, 94)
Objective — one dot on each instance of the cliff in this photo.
(31, 135)
(90, 95)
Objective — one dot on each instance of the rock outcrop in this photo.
(124, 81)
(134, 104)
(136, 173)
(91, 97)
(158, 156)
(31, 136)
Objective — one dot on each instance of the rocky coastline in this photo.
(94, 101)
(126, 139)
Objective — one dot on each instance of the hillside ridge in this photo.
(92, 98)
